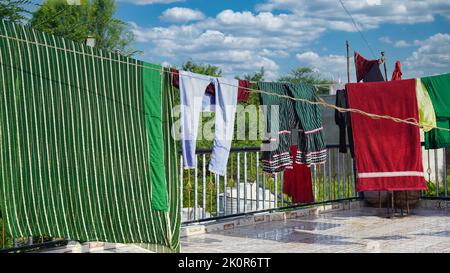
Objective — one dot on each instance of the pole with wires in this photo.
(383, 59)
(348, 61)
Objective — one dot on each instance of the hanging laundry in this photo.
(311, 146)
(367, 70)
(387, 153)
(333, 88)
(153, 107)
(438, 88)
(427, 116)
(343, 121)
(192, 93)
(297, 181)
(80, 160)
(243, 92)
(283, 116)
(397, 74)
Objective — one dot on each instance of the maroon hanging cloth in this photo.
(364, 66)
(397, 74)
(243, 91)
(387, 153)
(297, 181)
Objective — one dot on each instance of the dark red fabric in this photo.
(243, 92)
(363, 66)
(397, 74)
(384, 149)
(297, 181)
(175, 77)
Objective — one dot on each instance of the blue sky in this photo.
(241, 36)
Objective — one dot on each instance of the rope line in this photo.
(320, 101)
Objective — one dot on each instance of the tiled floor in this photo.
(357, 230)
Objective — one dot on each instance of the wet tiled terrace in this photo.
(355, 230)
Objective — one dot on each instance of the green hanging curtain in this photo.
(153, 108)
(76, 158)
(438, 88)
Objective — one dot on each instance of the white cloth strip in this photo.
(389, 174)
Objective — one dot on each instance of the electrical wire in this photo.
(357, 28)
(319, 101)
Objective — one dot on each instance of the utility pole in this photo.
(348, 61)
(383, 58)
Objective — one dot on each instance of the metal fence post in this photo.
(196, 190)
(257, 180)
(445, 172)
(204, 187)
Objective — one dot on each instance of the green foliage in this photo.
(109, 32)
(254, 100)
(92, 18)
(14, 10)
(59, 18)
(431, 188)
(255, 77)
(306, 75)
(204, 69)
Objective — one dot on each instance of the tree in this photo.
(255, 77)
(92, 18)
(14, 11)
(109, 32)
(204, 69)
(59, 18)
(306, 75)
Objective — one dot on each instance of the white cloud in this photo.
(369, 14)
(385, 39)
(242, 42)
(150, 2)
(401, 44)
(432, 57)
(329, 66)
(178, 14)
(239, 42)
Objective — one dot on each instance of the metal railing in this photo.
(26, 244)
(436, 174)
(205, 196)
(246, 189)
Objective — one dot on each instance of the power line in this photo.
(319, 102)
(357, 28)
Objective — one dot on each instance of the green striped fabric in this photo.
(290, 116)
(76, 161)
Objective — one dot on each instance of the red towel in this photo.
(397, 74)
(297, 181)
(388, 154)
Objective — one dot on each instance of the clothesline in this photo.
(320, 102)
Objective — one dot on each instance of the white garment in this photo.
(335, 87)
(193, 101)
